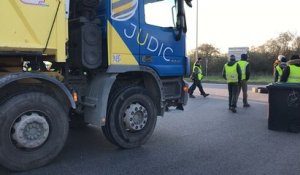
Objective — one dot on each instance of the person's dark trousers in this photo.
(233, 94)
(196, 83)
(244, 88)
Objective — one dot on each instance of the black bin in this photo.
(284, 107)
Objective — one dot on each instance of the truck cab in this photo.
(115, 64)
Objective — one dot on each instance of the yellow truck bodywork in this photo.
(25, 26)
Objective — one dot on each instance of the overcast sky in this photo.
(241, 23)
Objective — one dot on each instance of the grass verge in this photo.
(254, 79)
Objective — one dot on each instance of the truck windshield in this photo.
(161, 13)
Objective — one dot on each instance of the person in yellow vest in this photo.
(276, 62)
(243, 85)
(197, 76)
(278, 70)
(232, 74)
(291, 73)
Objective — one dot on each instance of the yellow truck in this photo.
(107, 63)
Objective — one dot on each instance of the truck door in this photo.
(122, 28)
(159, 48)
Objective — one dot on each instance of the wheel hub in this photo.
(136, 117)
(31, 131)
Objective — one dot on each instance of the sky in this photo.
(241, 23)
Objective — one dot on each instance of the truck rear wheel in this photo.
(34, 128)
(131, 119)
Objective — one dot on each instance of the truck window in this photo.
(160, 12)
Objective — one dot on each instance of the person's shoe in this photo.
(180, 107)
(246, 105)
(167, 109)
(233, 110)
(192, 96)
(205, 95)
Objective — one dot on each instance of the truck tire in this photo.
(33, 130)
(112, 99)
(107, 134)
(131, 118)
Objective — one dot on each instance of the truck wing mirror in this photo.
(181, 27)
(181, 21)
(189, 3)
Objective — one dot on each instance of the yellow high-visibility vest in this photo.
(280, 72)
(243, 64)
(294, 76)
(231, 73)
(199, 75)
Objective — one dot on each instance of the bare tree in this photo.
(284, 40)
(272, 48)
(261, 57)
(208, 50)
(205, 51)
(296, 45)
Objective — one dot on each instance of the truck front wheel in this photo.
(131, 119)
(33, 130)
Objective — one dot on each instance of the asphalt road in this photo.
(206, 138)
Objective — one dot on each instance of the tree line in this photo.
(261, 57)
